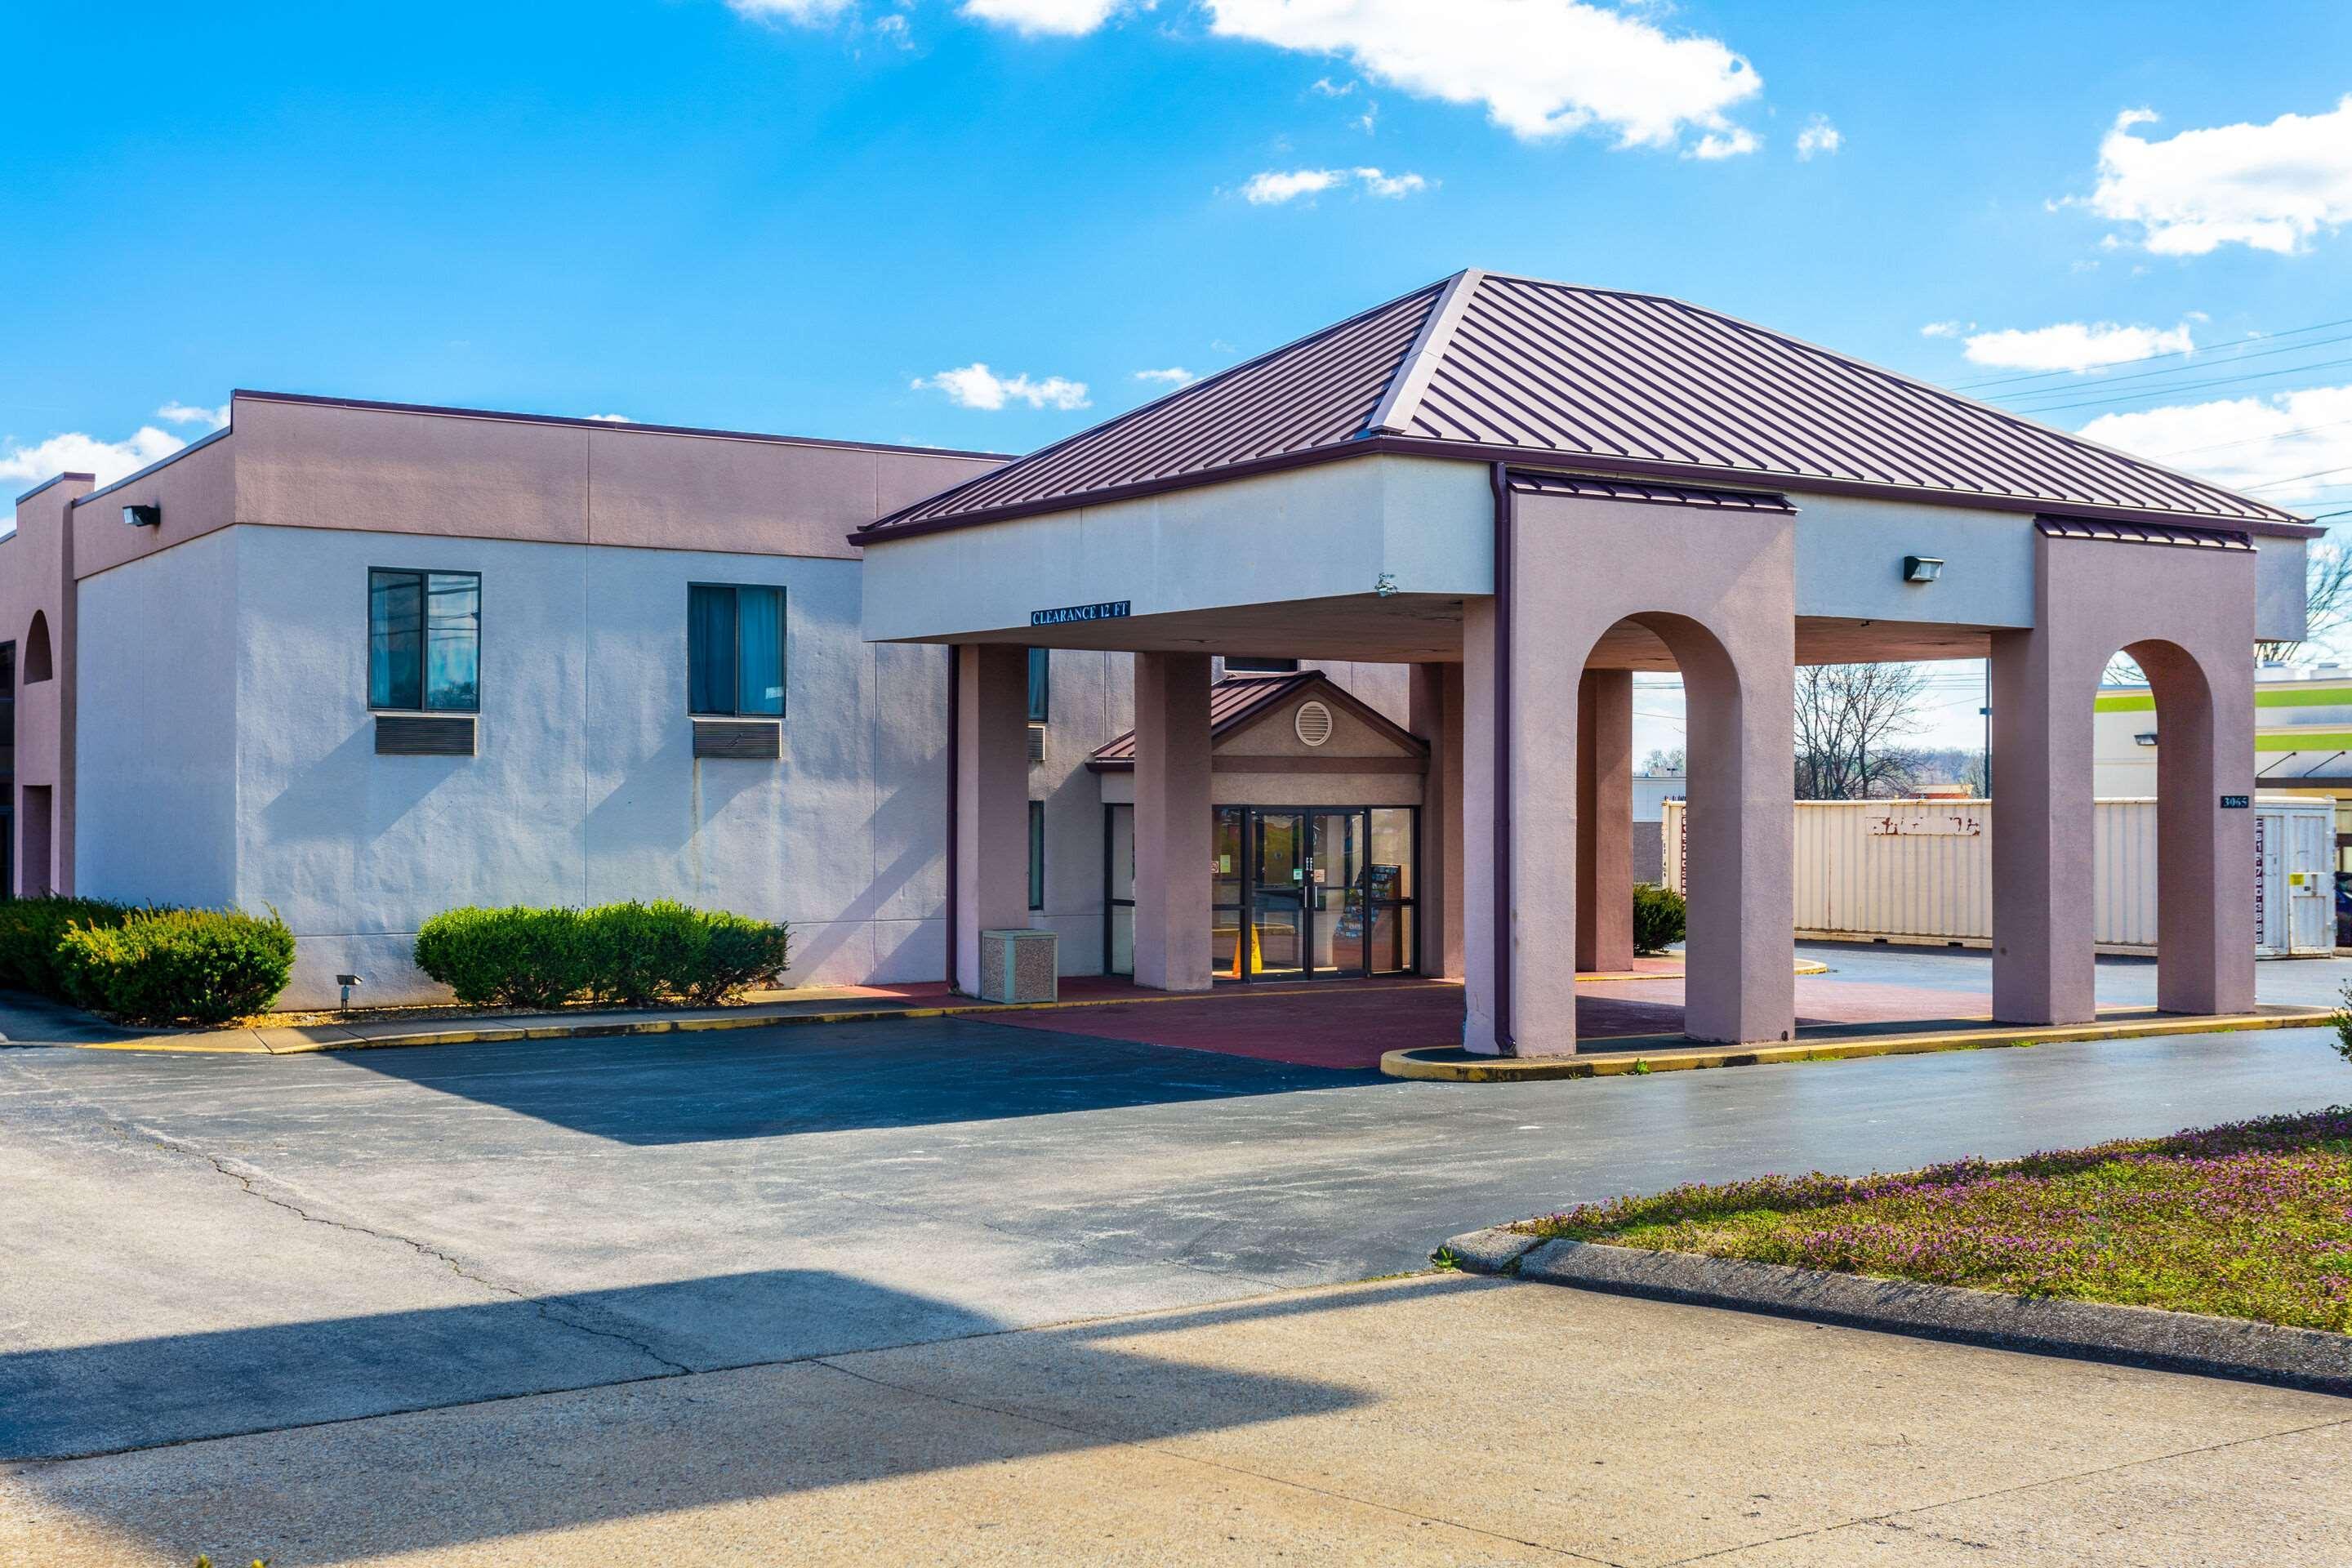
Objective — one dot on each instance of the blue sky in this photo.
(784, 215)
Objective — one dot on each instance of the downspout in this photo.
(1505, 1040)
(955, 786)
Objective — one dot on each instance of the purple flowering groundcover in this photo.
(2252, 1219)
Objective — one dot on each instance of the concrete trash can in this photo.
(1019, 966)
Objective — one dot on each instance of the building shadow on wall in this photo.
(829, 1077)
(772, 1426)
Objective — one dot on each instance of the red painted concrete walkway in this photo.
(1348, 1023)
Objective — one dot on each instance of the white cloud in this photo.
(1728, 144)
(2074, 345)
(805, 12)
(2271, 442)
(1541, 67)
(1945, 328)
(189, 413)
(612, 419)
(977, 386)
(75, 453)
(1273, 187)
(2271, 187)
(1173, 377)
(1323, 85)
(1062, 18)
(1819, 136)
(1269, 187)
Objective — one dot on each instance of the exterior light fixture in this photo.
(1922, 568)
(347, 982)
(2144, 738)
(143, 516)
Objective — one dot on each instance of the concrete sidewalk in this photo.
(1427, 1420)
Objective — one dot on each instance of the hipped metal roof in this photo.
(1488, 366)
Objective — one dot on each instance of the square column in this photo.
(2205, 932)
(992, 799)
(1604, 822)
(1434, 714)
(1172, 827)
(2044, 961)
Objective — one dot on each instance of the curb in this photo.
(2310, 1359)
(1451, 1064)
(488, 1034)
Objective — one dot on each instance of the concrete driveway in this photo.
(206, 1245)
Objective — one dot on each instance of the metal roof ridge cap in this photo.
(1398, 404)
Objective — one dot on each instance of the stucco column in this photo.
(2205, 865)
(992, 799)
(1486, 880)
(2043, 966)
(1171, 821)
(1739, 832)
(1434, 709)
(1604, 821)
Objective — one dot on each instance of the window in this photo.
(425, 641)
(1040, 671)
(1036, 853)
(735, 650)
(1238, 664)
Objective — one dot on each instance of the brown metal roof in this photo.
(1239, 700)
(2144, 533)
(1597, 489)
(1486, 367)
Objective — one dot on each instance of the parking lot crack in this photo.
(551, 1312)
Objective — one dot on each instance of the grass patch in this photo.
(2252, 1219)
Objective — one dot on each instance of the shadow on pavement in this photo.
(490, 1467)
(761, 1083)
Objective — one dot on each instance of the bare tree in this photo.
(1665, 763)
(1849, 717)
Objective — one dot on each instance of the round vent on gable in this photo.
(1313, 723)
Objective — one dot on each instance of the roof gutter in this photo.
(2282, 525)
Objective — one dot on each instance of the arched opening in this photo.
(39, 664)
(1711, 858)
(2204, 903)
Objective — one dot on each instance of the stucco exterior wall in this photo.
(1092, 699)
(157, 818)
(585, 788)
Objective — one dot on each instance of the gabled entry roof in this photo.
(1238, 701)
(1484, 365)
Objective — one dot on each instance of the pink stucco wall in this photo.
(1719, 590)
(37, 565)
(2188, 614)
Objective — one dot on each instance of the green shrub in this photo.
(30, 930)
(625, 955)
(169, 966)
(1659, 918)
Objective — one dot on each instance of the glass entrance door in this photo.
(1335, 900)
(1279, 856)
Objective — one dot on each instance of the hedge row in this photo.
(151, 965)
(624, 954)
(1660, 918)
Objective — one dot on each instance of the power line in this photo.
(2248, 440)
(2144, 359)
(2294, 478)
(2186, 386)
(2184, 369)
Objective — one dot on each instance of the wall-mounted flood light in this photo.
(347, 982)
(1922, 568)
(143, 516)
(2144, 738)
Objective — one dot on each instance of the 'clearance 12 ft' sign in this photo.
(1110, 610)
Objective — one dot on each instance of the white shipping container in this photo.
(1921, 872)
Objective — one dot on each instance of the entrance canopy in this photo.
(1338, 495)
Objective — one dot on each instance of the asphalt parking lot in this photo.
(210, 1244)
